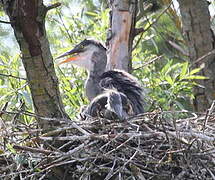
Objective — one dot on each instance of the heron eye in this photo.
(82, 46)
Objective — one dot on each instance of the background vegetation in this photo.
(157, 144)
(162, 68)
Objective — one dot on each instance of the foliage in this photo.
(167, 81)
(171, 87)
(13, 86)
(64, 28)
(69, 30)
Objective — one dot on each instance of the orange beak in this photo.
(73, 55)
(68, 60)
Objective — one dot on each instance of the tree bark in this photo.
(121, 34)
(28, 22)
(199, 38)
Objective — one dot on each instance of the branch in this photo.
(8, 75)
(208, 113)
(138, 41)
(5, 22)
(138, 31)
(179, 48)
(154, 22)
(204, 56)
(141, 11)
(52, 6)
(147, 63)
(33, 150)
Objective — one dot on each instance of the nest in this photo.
(153, 145)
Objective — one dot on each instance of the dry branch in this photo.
(148, 146)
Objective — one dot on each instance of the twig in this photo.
(119, 145)
(52, 6)
(154, 22)
(208, 113)
(211, 173)
(27, 113)
(80, 129)
(8, 75)
(33, 150)
(59, 130)
(138, 31)
(147, 63)
(21, 108)
(54, 165)
(128, 161)
(27, 132)
(180, 175)
(3, 109)
(56, 132)
(126, 152)
(5, 22)
(179, 48)
(192, 134)
(66, 138)
(110, 174)
(103, 137)
(203, 57)
(71, 40)
(159, 16)
(138, 41)
(15, 173)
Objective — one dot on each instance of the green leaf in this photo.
(194, 71)
(3, 59)
(169, 80)
(10, 148)
(196, 77)
(179, 105)
(184, 70)
(166, 67)
(93, 14)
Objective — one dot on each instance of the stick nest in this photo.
(153, 145)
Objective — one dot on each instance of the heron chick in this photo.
(107, 90)
(111, 104)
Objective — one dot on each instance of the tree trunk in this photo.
(199, 37)
(28, 21)
(121, 34)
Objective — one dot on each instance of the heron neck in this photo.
(99, 61)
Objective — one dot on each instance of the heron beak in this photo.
(73, 56)
(68, 60)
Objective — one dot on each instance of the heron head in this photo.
(116, 102)
(82, 54)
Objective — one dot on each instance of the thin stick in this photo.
(5, 22)
(11, 76)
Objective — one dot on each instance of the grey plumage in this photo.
(111, 104)
(126, 84)
(113, 94)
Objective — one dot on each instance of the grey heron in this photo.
(106, 89)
